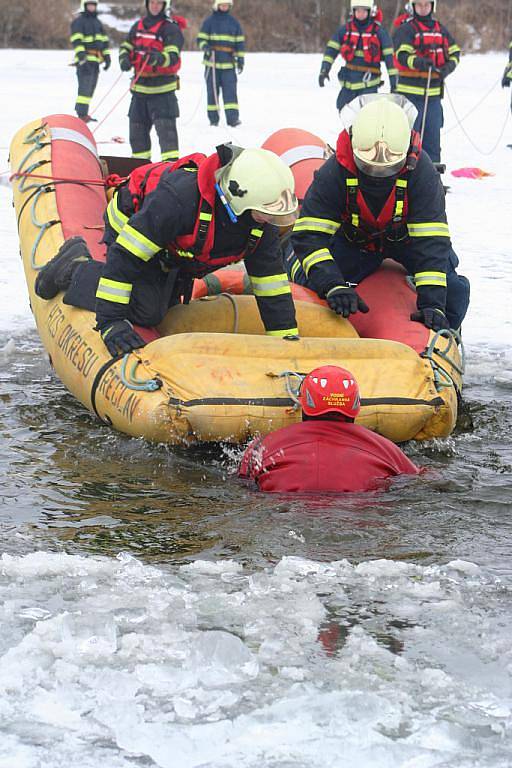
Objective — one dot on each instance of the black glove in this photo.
(207, 53)
(156, 59)
(239, 66)
(119, 337)
(125, 63)
(422, 64)
(446, 69)
(507, 76)
(343, 300)
(435, 319)
(107, 61)
(393, 83)
(81, 58)
(322, 77)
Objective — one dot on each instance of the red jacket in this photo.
(323, 456)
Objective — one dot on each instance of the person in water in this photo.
(326, 451)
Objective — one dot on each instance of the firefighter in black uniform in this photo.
(379, 197)
(173, 222)
(507, 74)
(90, 46)
(153, 49)
(222, 41)
(426, 54)
(363, 43)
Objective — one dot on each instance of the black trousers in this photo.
(87, 75)
(161, 111)
(154, 292)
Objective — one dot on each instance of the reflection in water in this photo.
(70, 482)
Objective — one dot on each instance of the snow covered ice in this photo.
(214, 665)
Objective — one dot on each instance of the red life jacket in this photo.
(402, 19)
(370, 43)
(199, 244)
(148, 41)
(430, 43)
(359, 224)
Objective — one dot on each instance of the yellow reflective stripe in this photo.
(218, 65)
(224, 38)
(83, 99)
(76, 36)
(173, 154)
(328, 59)
(429, 229)
(387, 51)
(401, 183)
(137, 244)
(148, 90)
(116, 218)
(392, 71)
(146, 155)
(126, 45)
(405, 48)
(454, 49)
(410, 61)
(430, 278)
(184, 254)
(295, 268)
(274, 285)
(417, 91)
(112, 290)
(172, 49)
(360, 86)
(205, 216)
(333, 44)
(284, 332)
(230, 105)
(315, 258)
(310, 224)
(79, 48)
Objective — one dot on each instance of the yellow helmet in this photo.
(381, 135)
(257, 180)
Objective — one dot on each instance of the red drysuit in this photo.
(323, 455)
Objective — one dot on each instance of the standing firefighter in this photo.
(507, 74)
(153, 49)
(363, 43)
(90, 45)
(379, 197)
(222, 40)
(426, 54)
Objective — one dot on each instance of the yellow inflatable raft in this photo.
(208, 372)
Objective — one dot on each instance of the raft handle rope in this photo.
(441, 376)
(233, 303)
(468, 137)
(41, 226)
(292, 393)
(130, 381)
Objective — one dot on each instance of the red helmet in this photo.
(330, 389)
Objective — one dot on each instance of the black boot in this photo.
(56, 275)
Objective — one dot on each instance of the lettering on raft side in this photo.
(115, 392)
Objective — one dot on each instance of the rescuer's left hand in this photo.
(507, 76)
(343, 300)
(119, 337)
(106, 61)
(156, 59)
(239, 66)
(435, 319)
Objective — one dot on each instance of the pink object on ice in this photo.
(471, 173)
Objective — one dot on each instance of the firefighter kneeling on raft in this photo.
(378, 197)
(326, 451)
(172, 222)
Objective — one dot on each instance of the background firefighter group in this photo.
(418, 59)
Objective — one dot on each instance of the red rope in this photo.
(113, 180)
(144, 64)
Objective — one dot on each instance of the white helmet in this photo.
(361, 4)
(216, 3)
(434, 4)
(258, 180)
(83, 3)
(381, 136)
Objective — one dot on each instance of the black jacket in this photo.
(88, 37)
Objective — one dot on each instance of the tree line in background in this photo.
(269, 25)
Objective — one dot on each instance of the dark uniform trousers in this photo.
(225, 81)
(435, 120)
(160, 110)
(356, 264)
(87, 74)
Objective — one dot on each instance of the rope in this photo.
(473, 109)
(28, 174)
(130, 381)
(98, 105)
(144, 64)
(468, 137)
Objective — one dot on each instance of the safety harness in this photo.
(149, 41)
(370, 44)
(359, 225)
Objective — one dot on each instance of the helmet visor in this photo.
(282, 212)
(379, 160)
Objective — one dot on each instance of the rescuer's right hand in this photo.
(119, 337)
(344, 300)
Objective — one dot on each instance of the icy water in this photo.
(155, 612)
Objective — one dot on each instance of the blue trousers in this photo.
(433, 124)
(356, 264)
(225, 81)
